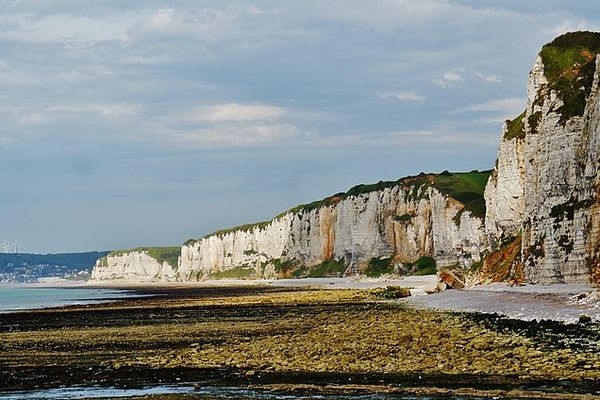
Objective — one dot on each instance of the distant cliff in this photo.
(371, 229)
(143, 264)
(543, 192)
(538, 220)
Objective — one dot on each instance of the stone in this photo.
(452, 278)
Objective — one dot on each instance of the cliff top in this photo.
(569, 66)
(466, 187)
(160, 254)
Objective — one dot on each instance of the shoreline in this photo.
(558, 302)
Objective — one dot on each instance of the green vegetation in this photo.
(379, 266)
(160, 254)
(567, 209)
(569, 66)
(466, 187)
(241, 228)
(282, 267)
(406, 217)
(233, 273)
(534, 120)
(425, 265)
(515, 128)
(328, 268)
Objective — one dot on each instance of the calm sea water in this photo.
(208, 393)
(24, 298)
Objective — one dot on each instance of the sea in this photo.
(16, 298)
(207, 393)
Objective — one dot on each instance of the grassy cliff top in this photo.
(466, 187)
(568, 53)
(569, 65)
(160, 254)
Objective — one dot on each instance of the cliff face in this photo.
(545, 184)
(541, 207)
(136, 265)
(399, 224)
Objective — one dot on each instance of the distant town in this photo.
(46, 268)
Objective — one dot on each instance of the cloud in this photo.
(570, 25)
(236, 112)
(489, 78)
(450, 78)
(42, 115)
(504, 108)
(402, 96)
(29, 27)
(230, 135)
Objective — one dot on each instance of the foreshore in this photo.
(261, 335)
(558, 302)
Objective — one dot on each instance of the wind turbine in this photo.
(18, 247)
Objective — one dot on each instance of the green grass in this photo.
(466, 187)
(233, 273)
(515, 128)
(569, 66)
(328, 268)
(160, 254)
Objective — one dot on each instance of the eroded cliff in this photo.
(144, 264)
(366, 230)
(541, 207)
(545, 183)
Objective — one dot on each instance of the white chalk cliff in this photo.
(133, 266)
(545, 183)
(353, 230)
(544, 190)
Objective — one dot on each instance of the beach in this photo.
(293, 340)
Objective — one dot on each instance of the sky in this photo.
(141, 123)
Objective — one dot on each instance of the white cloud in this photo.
(236, 112)
(229, 135)
(65, 27)
(42, 115)
(489, 78)
(505, 108)
(402, 96)
(570, 25)
(450, 78)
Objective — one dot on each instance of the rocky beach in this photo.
(295, 340)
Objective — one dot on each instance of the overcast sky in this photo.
(129, 123)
